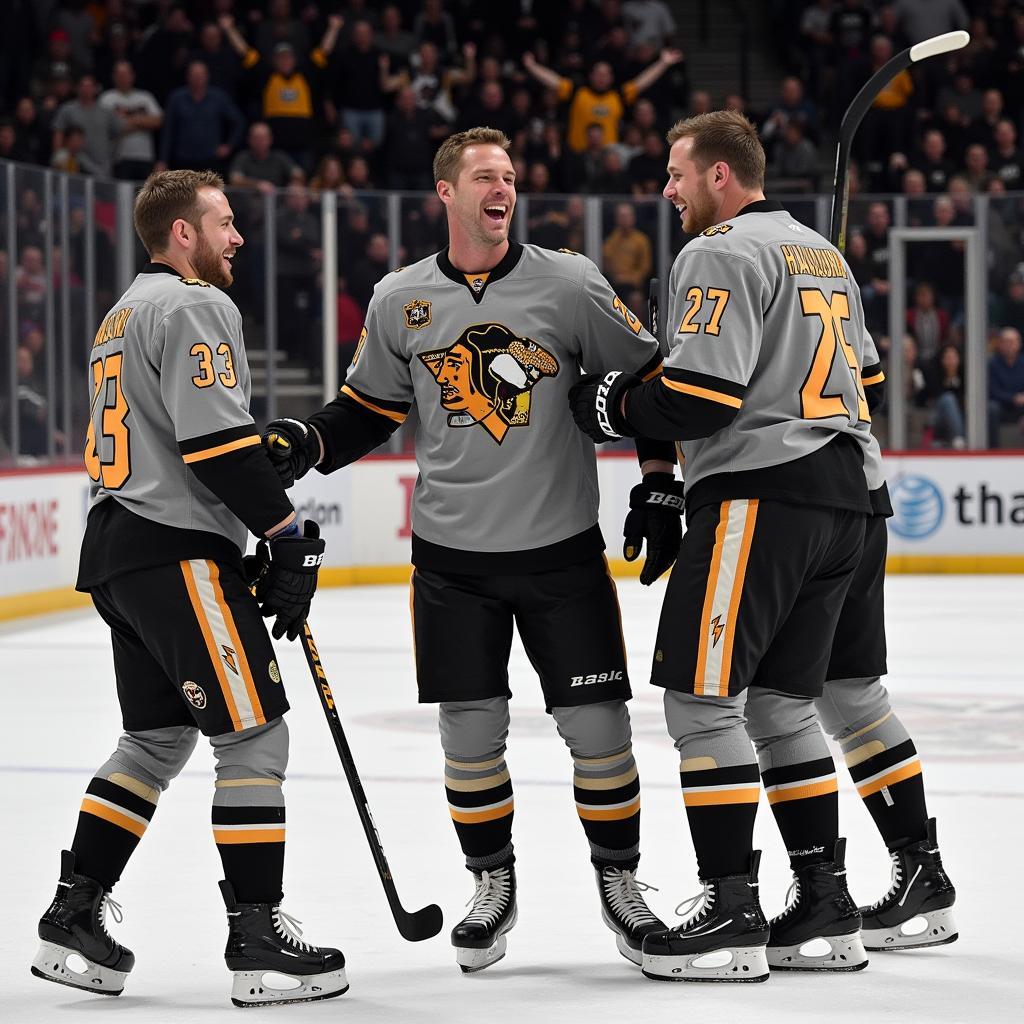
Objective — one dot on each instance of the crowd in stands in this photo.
(292, 98)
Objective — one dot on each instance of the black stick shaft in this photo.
(847, 129)
(424, 923)
(934, 47)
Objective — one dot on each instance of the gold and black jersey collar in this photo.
(478, 283)
(762, 206)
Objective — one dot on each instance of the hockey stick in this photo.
(945, 43)
(425, 923)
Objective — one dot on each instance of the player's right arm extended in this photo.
(359, 419)
(343, 431)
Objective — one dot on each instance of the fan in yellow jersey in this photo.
(179, 479)
(486, 338)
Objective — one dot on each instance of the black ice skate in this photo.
(820, 928)
(75, 947)
(262, 941)
(918, 910)
(724, 939)
(479, 938)
(624, 910)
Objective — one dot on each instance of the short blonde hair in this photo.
(724, 135)
(449, 155)
(166, 197)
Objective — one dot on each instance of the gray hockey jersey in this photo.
(766, 322)
(170, 438)
(488, 360)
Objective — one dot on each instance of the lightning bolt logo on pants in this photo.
(718, 628)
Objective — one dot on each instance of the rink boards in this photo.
(953, 513)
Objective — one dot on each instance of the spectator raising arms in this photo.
(599, 101)
(287, 90)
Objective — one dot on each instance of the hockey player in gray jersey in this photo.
(178, 479)
(486, 339)
(764, 388)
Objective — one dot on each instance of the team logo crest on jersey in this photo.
(487, 376)
(417, 314)
(194, 694)
(275, 672)
(717, 229)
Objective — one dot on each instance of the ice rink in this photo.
(957, 679)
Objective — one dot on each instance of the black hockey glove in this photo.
(286, 586)
(594, 401)
(293, 448)
(655, 512)
(254, 566)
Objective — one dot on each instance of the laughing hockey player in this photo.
(178, 476)
(486, 339)
(763, 388)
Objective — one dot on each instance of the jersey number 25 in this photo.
(814, 403)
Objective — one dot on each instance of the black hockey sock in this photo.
(607, 792)
(721, 804)
(480, 801)
(113, 818)
(884, 765)
(250, 841)
(804, 798)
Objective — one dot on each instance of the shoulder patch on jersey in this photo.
(716, 229)
(570, 252)
(417, 314)
(197, 281)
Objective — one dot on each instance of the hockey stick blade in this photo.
(415, 927)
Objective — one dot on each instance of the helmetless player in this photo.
(178, 477)
(486, 339)
(764, 388)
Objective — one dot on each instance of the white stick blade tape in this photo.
(939, 44)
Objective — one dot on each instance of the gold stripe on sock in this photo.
(864, 753)
(474, 766)
(585, 782)
(136, 786)
(608, 813)
(476, 785)
(746, 795)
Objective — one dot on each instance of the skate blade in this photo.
(935, 928)
(255, 988)
(55, 963)
(634, 956)
(730, 965)
(844, 953)
(473, 960)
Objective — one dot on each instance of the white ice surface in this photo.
(957, 680)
